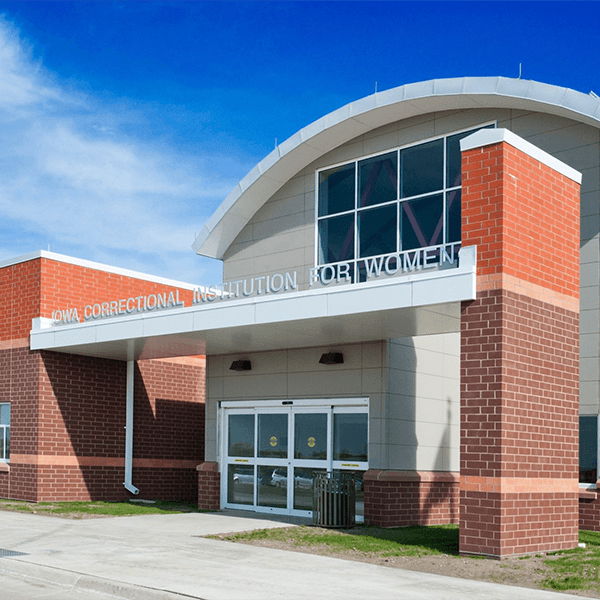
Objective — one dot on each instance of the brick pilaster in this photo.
(209, 486)
(519, 351)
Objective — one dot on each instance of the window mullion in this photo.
(356, 231)
(398, 240)
(445, 197)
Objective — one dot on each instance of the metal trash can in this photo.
(334, 500)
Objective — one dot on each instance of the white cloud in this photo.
(72, 179)
(21, 81)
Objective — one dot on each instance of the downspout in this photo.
(129, 431)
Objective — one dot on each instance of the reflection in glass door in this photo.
(272, 452)
(240, 446)
(272, 459)
(311, 443)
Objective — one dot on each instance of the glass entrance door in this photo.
(311, 456)
(271, 453)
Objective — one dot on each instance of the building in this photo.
(68, 420)
(410, 296)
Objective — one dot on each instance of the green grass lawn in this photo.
(576, 569)
(109, 509)
(406, 541)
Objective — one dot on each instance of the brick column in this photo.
(519, 349)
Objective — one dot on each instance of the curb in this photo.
(71, 580)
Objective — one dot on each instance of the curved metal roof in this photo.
(369, 113)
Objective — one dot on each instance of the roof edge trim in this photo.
(371, 112)
(488, 137)
(88, 264)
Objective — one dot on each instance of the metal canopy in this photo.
(416, 304)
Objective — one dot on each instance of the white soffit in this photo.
(372, 112)
(419, 303)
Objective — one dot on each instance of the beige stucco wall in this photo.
(412, 386)
(281, 235)
(422, 417)
(294, 374)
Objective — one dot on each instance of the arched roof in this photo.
(369, 113)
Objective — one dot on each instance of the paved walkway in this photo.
(165, 557)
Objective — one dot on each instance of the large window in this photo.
(395, 202)
(4, 431)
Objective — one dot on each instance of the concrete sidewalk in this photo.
(165, 557)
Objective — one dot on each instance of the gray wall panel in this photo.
(282, 232)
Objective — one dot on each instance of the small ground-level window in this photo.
(588, 449)
(4, 431)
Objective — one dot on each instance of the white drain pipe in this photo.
(129, 431)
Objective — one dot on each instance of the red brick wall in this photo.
(589, 510)
(82, 406)
(68, 412)
(23, 482)
(60, 483)
(4, 481)
(519, 388)
(169, 412)
(519, 420)
(519, 356)
(82, 435)
(399, 499)
(209, 486)
(522, 216)
(19, 375)
(37, 287)
(70, 286)
(20, 295)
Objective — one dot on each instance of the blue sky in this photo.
(123, 125)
